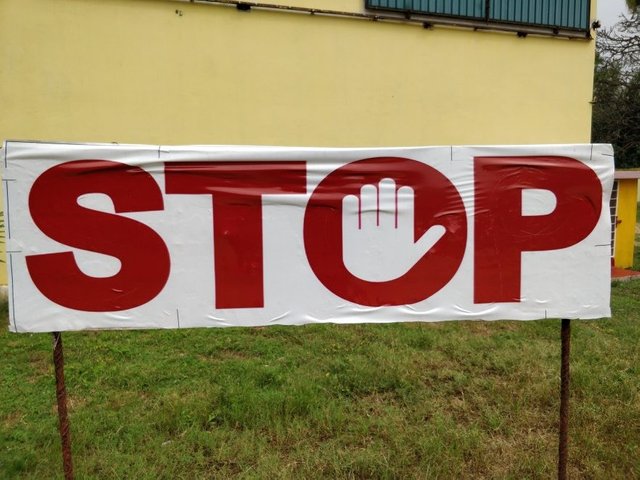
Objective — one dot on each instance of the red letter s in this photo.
(143, 255)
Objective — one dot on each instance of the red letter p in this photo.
(502, 232)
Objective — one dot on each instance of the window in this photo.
(557, 14)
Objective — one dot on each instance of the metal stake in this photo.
(565, 375)
(61, 395)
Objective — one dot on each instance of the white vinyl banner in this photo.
(105, 236)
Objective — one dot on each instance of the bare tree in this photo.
(616, 101)
(620, 44)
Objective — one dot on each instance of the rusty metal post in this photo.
(61, 395)
(565, 376)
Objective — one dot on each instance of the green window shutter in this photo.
(572, 14)
(569, 14)
(451, 8)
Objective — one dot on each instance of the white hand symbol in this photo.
(378, 232)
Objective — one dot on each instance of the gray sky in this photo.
(609, 10)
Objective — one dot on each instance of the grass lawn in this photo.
(451, 400)
(456, 400)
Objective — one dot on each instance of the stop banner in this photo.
(107, 236)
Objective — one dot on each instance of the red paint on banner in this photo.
(437, 202)
(143, 255)
(236, 189)
(502, 233)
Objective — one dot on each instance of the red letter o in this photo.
(437, 202)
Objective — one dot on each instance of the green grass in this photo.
(455, 400)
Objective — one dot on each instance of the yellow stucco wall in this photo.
(137, 71)
(340, 5)
(626, 229)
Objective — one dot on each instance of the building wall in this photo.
(135, 71)
(172, 72)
